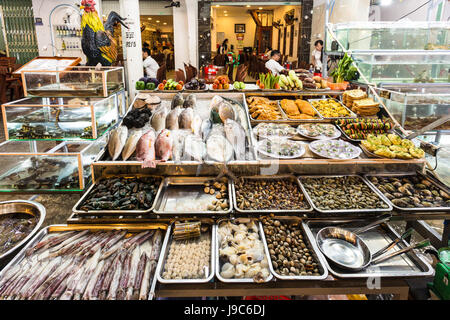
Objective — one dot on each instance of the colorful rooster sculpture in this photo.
(98, 42)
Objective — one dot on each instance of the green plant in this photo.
(345, 71)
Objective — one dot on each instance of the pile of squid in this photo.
(85, 265)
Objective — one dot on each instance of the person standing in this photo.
(150, 65)
(224, 47)
(317, 55)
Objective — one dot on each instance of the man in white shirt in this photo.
(273, 65)
(150, 65)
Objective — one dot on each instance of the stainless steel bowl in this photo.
(23, 207)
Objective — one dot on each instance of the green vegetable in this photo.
(345, 70)
(150, 86)
(140, 85)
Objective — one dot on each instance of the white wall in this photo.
(279, 14)
(399, 8)
(226, 25)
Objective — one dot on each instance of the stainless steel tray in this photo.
(382, 197)
(312, 246)
(283, 116)
(393, 175)
(217, 265)
(319, 119)
(352, 114)
(275, 211)
(116, 212)
(406, 265)
(24, 207)
(165, 252)
(41, 234)
(187, 193)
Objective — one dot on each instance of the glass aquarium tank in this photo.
(47, 166)
(73, 82)
(415, 106)
(40, 118)
(404, 67)
(402, 35)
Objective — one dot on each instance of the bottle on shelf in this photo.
(63, 46)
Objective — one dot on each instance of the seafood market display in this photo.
(85, 265)
(392, 146)
(411, 192)
(261, 108)
(15, 227)
(334, 149)
(121, 194)
(219, 189)
(342, 193)
(359, 128)
(265, 130)
(241, 252)
(330, 108)
(43, 172)
(290, 252)
(298, 109)
(269, 194)
(189, 259)
(318, 131)
(279, 148)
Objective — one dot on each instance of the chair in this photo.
(13, 83)
(3, 75)
(161, 73)
(241, 73)
(179, 76)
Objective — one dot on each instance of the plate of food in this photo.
(391, 146)
(318, 131)
(334, 149)
(266, 130)
(281, 148)
(358, 129)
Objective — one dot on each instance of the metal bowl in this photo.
(23, 207)
(343, 248)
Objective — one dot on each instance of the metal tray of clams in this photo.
(394, 175)
(94, 227)
(381, 196)
(311, 246)
(116, 212)
(27, 208)
(275, 211)
(352, 114)
(168, 240)
(167, 202)
(406, 265)
(217, 256)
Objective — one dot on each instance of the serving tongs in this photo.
(394, 242)
(422, 244)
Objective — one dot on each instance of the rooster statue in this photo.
(98, 42)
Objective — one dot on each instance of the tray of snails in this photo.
(188, 260)
(240, 251)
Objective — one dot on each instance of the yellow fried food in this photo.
(289, 107)
(385, 152)
(417, 152)
(369, 145)
(407, 143)
(373, 139)
(395, 139)
(398, 148)
(384, 140)
(330, 109)
(305, 107)
(403, 155)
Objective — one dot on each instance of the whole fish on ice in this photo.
(163, 145)
(117, 141)
(130, 145)
(145, 149)
(235, 134)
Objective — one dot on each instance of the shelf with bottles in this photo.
(61, 118)
(67, 31)
(45, 167)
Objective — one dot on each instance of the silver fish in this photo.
(130, 145)
(190, 102)
(178, 144)
(117, 141)
(159, 119)
(235, 134)
(185, 119)
(206, 128)
(172, 119)
(177, 101)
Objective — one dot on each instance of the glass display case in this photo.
(416, 105)
(404, 67)
(402, 35)
(46, 166)
(73, 82)
(40, 118)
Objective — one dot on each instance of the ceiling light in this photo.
(385, 2)
(149, 18)
(225, 11)
(225, 15)
(260, 8)
(217, 5)
(248, 6)
(165, 23)
(157, 21)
